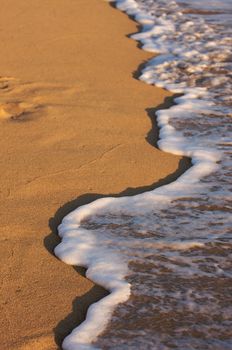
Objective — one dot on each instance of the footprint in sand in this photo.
(15, 110)
(20, 100)
(13, 107)
(4, 82)
(3, 85)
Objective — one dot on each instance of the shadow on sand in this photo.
(81, 304)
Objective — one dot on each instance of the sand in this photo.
(75, 124)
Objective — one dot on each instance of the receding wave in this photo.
(165, 255)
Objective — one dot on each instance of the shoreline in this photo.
(101, 311)
(41, 101)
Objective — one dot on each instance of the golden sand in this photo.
(74, 125)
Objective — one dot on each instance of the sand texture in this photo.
(75, 124)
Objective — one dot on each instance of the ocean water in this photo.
(166, 255)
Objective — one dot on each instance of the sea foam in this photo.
(110, 235)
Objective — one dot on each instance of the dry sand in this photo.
(74, 126)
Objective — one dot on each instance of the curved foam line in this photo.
(81, 247)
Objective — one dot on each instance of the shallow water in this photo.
(167, 254)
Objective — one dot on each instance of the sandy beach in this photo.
(76, 124)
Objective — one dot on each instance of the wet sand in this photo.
(75, 124)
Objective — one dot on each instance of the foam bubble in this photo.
(109, 234)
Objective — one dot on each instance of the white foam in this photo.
(95, 251)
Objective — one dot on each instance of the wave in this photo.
(110, 235)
